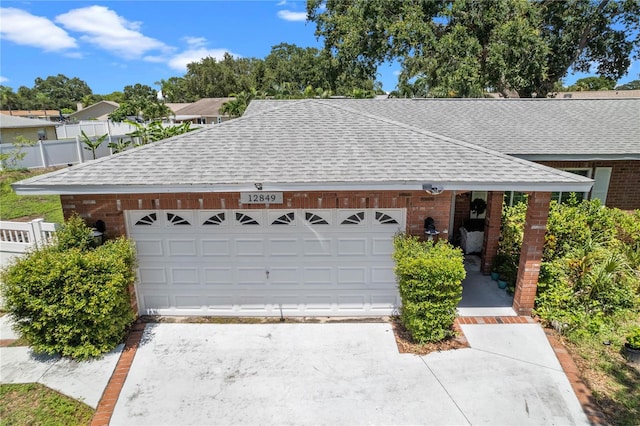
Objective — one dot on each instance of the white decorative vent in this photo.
(174, 219)
(385, 218)
(216, 219)
(314, 219)
(354, 219)
(285, 219)
(245, 219)
(148, 219)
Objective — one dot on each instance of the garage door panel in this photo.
(381, 247)
(253, 247)
(353, 302)
(218, 276)
(284, 276)
(352, 275)
(183, 247)
(216, 247)
(149, 248)
(156, 301)
(266, 262)
(150, 276)
(320, 275)
(180, 276)
(252, 303)
(322, 247)
(283, 247)
(188, 302)
(352, 246)
(251, 276)
(382, 276)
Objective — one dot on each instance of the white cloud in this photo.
(289, 15)
(3, 79)
(397, 72)
(179, 62)
(195, 42)
(104, 28)
(26, 29)
(281, 3)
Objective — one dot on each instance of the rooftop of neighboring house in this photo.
(206, 107)
(13, 122)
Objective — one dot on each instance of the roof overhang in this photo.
(577, 157)
(34, 189)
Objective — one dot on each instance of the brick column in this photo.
(531, 254)
(492, 223)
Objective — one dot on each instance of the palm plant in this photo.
(92, 145)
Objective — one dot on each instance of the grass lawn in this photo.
(27, 207)
(36, 404)
(615, 384)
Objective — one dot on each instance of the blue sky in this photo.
(113, 44)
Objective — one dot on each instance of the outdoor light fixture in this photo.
(98, 232)
(432, 189)
(258, 186)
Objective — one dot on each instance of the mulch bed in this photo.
(407, 345)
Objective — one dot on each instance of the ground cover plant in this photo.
(72, 298)
(589, 291)
(430, 284)
(36, 404)
(26, 207)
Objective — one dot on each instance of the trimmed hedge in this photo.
(70, 298)
(430, 283)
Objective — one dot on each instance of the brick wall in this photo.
(110, 208)
(531, 254)
(624, 186)
(492, 224)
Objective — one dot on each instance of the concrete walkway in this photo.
(185, 374)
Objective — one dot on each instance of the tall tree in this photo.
(62, 91)
(461, 47)
(592, 83)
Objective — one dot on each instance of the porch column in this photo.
(492, 222)
(531, 253)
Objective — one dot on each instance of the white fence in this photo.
(57, 153)
(93, 128)
(17, 238)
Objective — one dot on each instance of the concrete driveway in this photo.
(187, 374)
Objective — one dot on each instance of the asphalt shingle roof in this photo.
(520, 127)
(308, 143)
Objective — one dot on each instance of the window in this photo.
(562, 197)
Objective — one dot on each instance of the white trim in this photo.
(600, 189)
(577, 157)
(32, 188)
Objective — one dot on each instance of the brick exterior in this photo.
(492, 223)
(624, 186)
(463, 209)
(531, 254)
(110, 208)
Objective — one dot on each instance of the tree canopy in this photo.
(463, 47)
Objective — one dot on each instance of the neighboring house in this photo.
(32, 129)
(47, 114)
(291, 209)
(203, 111)
(98, 111)
(598, 94)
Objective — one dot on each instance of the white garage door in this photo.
(266, 262)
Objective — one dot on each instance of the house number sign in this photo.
(261, 197)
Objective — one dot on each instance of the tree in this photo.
(461, 47)
(8, 99)
(632, 85)
(592, 83)
(62, 91)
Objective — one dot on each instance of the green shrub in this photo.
(589, 272)
(71, 299)
(633, 338)
(430, 284)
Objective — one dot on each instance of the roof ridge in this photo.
(461, 143)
